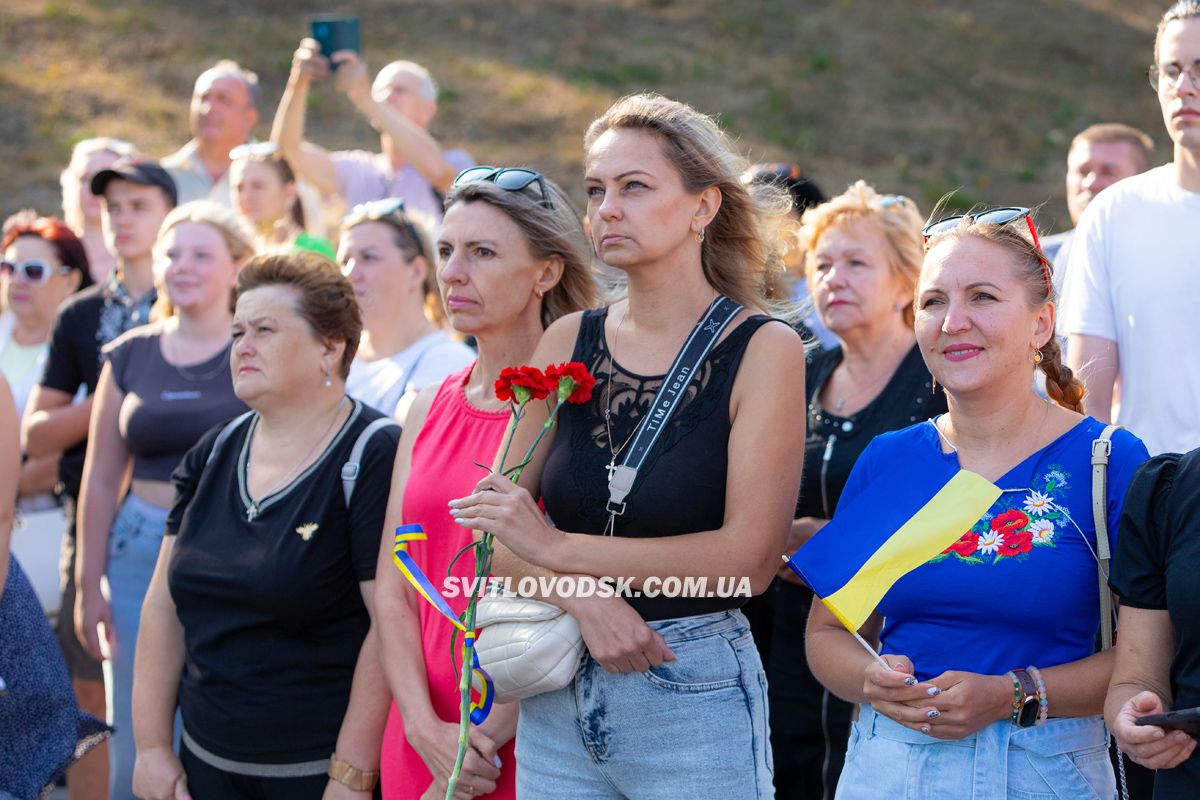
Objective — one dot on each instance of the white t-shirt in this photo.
(388, 384)
(1134, 278)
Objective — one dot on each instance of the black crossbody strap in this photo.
(691, 356)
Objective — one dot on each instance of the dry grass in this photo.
(918, 97)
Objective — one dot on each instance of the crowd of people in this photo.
(225, 410)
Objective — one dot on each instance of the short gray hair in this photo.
(235, 70)
(429, 87)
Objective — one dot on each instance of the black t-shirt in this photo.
(272, 614)
(85, 323)
(680, 487)
(1154, 567)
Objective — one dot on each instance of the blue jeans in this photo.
(1062, 759)
(133, 545)
(694, 727)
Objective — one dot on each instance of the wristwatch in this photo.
(1029, 703)
(352, 777)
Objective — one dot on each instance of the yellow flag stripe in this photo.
(939, 523)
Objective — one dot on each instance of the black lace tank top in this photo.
(680, 487)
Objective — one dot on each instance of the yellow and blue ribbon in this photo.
(424, 587)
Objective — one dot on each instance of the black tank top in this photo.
(680, 487)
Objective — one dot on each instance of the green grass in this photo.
(918, 97)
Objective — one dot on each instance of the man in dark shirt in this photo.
(137, 197)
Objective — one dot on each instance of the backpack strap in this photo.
(225, 433)
(352, 468)
(1101, 449)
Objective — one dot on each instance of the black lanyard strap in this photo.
(691, 356)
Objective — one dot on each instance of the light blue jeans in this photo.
(694, 727)
(133, 545)
(1062, 759)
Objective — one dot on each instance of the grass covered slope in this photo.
(918, 97)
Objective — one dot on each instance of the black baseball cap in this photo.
(145, 173)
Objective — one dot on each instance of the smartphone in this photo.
(1185, 719)
(336, 33)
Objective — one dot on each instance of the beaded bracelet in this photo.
(1016, 712)
(1043, 702)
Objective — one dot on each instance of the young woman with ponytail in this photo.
(995, 687)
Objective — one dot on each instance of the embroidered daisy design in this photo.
(307, 530)
(1037, 503)
(990, 541)
(1042, 530)
(1057, 476)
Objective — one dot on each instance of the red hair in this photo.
(54, 232)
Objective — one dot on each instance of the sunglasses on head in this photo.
(34, 270)
(884, 202)
(390, 210)
(512, 179)
(994, 216)
(254, 150)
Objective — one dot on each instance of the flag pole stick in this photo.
(867, 646)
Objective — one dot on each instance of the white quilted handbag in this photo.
(526, 646)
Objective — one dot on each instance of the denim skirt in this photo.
(1062, 759)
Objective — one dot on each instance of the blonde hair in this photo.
(69, 178)
(1036, 271)
(552, 228)
(740, 253)
(894, 216)
(234, 231)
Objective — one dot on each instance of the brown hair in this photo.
(326, 300)
(1034, 268)
(551, 228)
(410, 234)
(739, 255)
(286, 175)
(1141, 143)
(1178, 12)
(894, 216)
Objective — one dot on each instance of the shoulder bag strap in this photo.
(225, 433)
(1101, 449)
(353, 467)
(691, 356)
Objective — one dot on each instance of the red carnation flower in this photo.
(965, 546)
(1015, 543)
(573, 380)
(521, 384)
(1009, 522)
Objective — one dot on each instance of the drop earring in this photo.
(700, 236)
(328, 382)
(1037, 356)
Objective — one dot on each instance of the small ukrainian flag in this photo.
(901, 519)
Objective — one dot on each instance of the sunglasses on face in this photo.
(512, 179)
(389, 210)
(994, 216)
(34, 271)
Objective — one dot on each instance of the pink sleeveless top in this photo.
(454, 437)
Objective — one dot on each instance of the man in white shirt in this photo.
(1133, 277)
(223, 112)
(1099, 156)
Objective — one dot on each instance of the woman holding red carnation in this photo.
(510, 262)
(995, 689)
(670, 698)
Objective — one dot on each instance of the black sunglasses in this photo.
(34, 270)
(512, 179)
(389, 210)
(994, 216)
